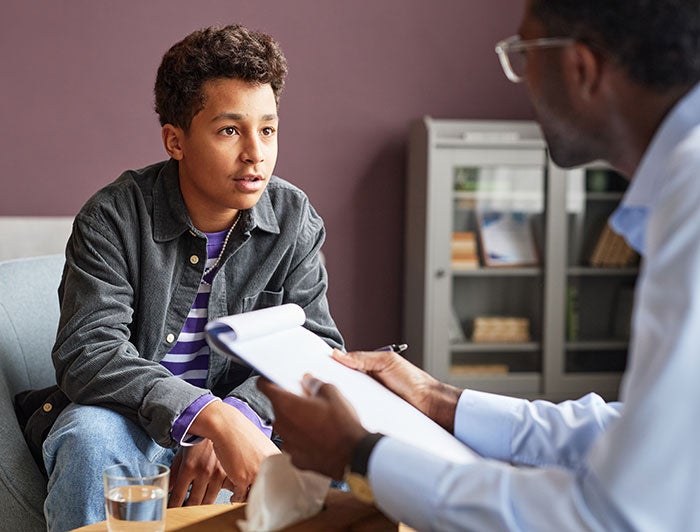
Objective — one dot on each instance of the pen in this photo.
(396, 348)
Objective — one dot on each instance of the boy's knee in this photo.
(91, 432)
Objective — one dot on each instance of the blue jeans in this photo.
(83, 441)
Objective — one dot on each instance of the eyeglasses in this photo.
(511, 53)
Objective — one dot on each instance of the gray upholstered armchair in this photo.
(28, 321)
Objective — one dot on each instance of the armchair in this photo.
(28, 321)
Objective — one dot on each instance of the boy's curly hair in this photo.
(233, 52)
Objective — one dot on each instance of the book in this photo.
(274, 342)
(455, 332)
(507, 239)
(464, 251)
(612, 251)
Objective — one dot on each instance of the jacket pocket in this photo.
(264, 299)
(37, 411)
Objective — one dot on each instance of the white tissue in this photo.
(283, 495)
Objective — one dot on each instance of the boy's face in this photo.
(228, 154)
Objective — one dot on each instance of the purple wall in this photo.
(76, 107)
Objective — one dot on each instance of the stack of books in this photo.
(612, 251)
(464, 251)
(501, 329)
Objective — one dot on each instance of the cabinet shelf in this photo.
(472, 197)
(463, 142)
(457, 372)
(604, 196)
(523, 384)
(498, 272)
(495, 347)
(584, 271)
(597, 345)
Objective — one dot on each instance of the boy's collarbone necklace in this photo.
(214, 266)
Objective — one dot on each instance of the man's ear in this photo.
(587, 68)
(172, 141)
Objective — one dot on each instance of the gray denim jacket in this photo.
(133, 264)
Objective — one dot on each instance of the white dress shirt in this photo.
(588, 465)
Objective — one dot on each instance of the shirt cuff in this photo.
(406, 482)
(249, 413)
(181, 427)
(485, 421)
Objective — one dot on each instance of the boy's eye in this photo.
(267, 131)
(229, 131)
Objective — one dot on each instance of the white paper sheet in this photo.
(286, 355)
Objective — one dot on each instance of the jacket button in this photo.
(194, 259)
(170, 338)
(47, 407)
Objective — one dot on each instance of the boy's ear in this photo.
(172, 141)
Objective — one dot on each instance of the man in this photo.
(616, 81)
(152, 256)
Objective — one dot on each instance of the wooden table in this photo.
(341, 512)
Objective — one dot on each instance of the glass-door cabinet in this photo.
(500, 293)
(478, 263)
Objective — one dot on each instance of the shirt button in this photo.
(194, 259)
(170, 338)
(47, 407)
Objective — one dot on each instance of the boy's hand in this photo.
(239, 445)
(199, 468)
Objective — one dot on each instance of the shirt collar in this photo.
(651, 173)
(171, 218)
(630, 218)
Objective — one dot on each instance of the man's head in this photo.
(229, 52)
(657, 42)
(616, 69)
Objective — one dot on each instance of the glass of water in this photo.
(135, 497)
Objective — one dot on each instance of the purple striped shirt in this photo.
(189, 357)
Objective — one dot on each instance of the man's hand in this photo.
(238, 444)
(320, 431)
(435, 399)
(198, 467)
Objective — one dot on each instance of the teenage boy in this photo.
(154, 256)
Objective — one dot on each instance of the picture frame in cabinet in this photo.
(507, 239)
